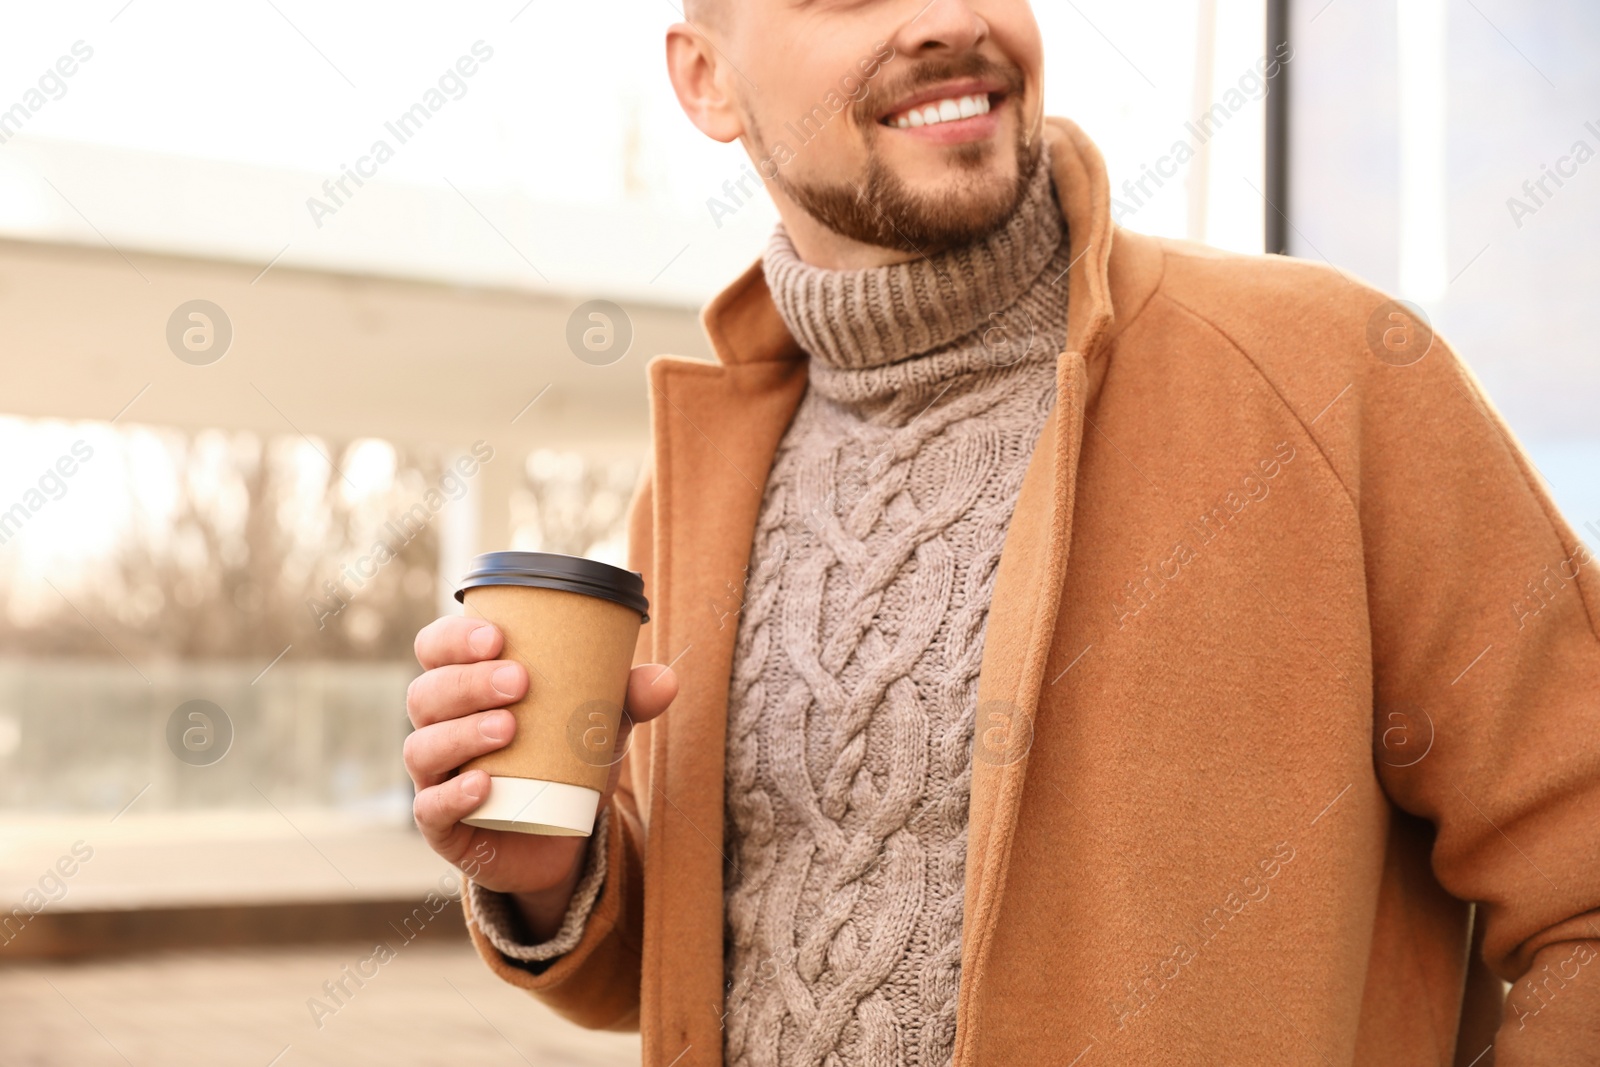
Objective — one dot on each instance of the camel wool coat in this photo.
(1286, 737)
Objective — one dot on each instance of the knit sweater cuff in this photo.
(495, 915)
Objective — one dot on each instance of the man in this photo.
(1088, 649)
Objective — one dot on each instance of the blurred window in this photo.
(1450, 154)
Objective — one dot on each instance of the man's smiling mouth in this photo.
(945, 109)
(965, 107)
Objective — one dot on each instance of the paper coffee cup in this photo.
(573, 623)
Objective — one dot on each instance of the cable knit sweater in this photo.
(852, 702)
(851, 712)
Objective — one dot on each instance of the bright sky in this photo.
(203, 128)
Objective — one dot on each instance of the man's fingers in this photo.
(457, 689)
(439, 809)
(651, 687)
(432, 752)
(456, 639)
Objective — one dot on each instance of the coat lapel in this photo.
(1018, 637)
(716, 427)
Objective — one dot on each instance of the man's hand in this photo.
(458, 708)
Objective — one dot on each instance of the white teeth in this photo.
(952, 109)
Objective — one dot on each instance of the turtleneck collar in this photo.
(858, 320)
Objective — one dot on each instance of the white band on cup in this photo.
(529, 806)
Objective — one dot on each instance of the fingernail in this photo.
(504, 680)
(472, 785)
(495, 727)
(481, 640)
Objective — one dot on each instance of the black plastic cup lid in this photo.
(551, 570)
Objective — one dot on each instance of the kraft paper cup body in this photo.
(578, 649)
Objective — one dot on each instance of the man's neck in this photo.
(876, 316)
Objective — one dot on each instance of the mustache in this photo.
(927, 72)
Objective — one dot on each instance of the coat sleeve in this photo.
(596, 983)
(1486, 657)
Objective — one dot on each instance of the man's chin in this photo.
(938, 219)
(909, 204)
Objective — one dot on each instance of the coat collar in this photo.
(744, 326)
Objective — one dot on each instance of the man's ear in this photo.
(698, 74)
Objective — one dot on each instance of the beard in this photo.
(881, 209)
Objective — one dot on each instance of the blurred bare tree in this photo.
(238, 547)
(574, 503)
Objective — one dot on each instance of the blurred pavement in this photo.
(430, 1004)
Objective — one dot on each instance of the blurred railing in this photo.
(83, 736)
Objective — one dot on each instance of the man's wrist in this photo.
(540, 913)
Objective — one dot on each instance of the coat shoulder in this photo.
(1348, 361)
(1286, 314)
